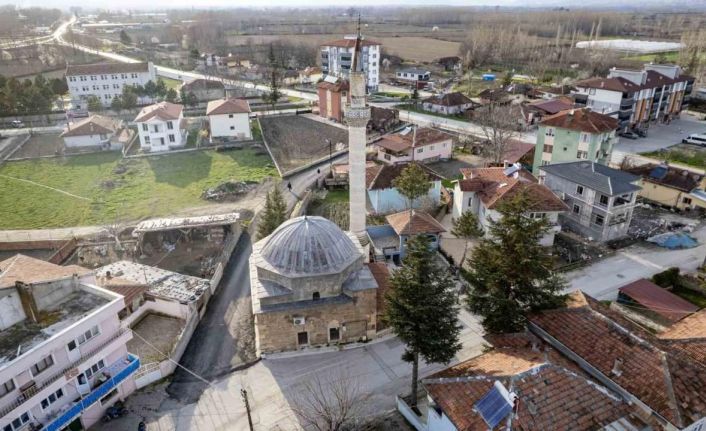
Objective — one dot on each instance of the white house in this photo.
(413, 74)
(337, 56)
(229, 119)
(63, 354)
(449, 103)
(105, 80)
(416, 144)
(384, 197)
(483, 189)
(161, 127)
(97, 131)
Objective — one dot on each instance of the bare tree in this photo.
(499, 124)
(329, 403)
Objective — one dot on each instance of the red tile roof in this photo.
(614, 84)
(381, 176)
(424, 136)
(516, 150)
(658, 300)
(93, 125)
(552, 106)
(228, 106)
(105, 68)
(30, 270)
(693, 326)
(339, 85)
(418, 222)
(449, 99)
(582, 120)
(163, 110)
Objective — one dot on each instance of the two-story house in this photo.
(229, 119)
(576, 134)
(105, 81)
(671, 186)
(63, 355)
(337, 55)
(414, 145)
(482, 189)
(601, 200)
(161, 127)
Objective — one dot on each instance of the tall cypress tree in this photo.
(274, 213)
(421, 309)
(510, 272)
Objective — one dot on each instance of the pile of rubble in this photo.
(648, 222)
(228, 191)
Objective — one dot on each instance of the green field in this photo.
(109, 189)
(695, 157)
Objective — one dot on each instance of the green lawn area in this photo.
(336, 197)
(150, 186)
(171, 83)
(691, 296)
(696, 158)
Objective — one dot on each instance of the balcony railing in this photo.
(118, 372)
(24, 398)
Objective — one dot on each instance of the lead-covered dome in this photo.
(309, 245)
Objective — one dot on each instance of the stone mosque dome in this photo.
(309, 245)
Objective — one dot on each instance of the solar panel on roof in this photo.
(658, 172)
(494, 405)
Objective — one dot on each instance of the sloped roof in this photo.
(582, 120)
(105, 68)
(494, 186)
(693, 326)
(515, 150)
(609, 181)
(552, 106)
(449, 99)
(93, 125)
(29, 270)
(228, 106)
(613, 84)
(550, 396)
(422, 136)
(664, 374)
(163, 110)
(414, 222)
(381, 176)
(658, 300)
(680, 179)
(339, 85)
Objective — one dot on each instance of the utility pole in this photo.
(330, 155)
(244, 394)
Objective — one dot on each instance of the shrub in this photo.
(667, 278)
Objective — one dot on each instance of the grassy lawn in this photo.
(171, 83)
(696, 158)
(150, 186)
(336, 197)
(694, 297)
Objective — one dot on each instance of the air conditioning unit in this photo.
(299, 320)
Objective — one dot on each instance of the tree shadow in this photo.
(182, 169)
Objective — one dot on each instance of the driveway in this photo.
(603, 279)
(663, 135)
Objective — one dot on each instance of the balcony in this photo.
(118, 372)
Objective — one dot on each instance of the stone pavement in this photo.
(272, 384)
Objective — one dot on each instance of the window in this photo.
(686, 201)
(303, 338)
(603, 200)
(170, 125)
(171, 138)
(93, 77)
(147, 140)
(334, 334)
(420, 150)
(17, 423)
(72, 78)
(579, 190)
(7, 387)
(549, 132)
(144, 127)
(156, 128)
(548, 148)
(94, 330)
(95, 87)
(94, 369)
(42, 365)
(83, 78)
(598, 220)
(545, 162)
(51, 399)
(104, 77)
(230, 115)
(161, 141)
(582, 154)
(106, 86)
(116, 86)
(232, 127)
(591, 91)
(584, 137)
(316, 296)
(577, 209)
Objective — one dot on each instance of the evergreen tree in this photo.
(171, 95)
(412, 183)
(510, 272)
(150, 89)
(274, 214)
(161, 88)
(274, 94)
(466, 226)
(125, 38)
(94, 103)
(58, 86)
(116, 104)
(421, 309)
(128, 98)
(415, 96)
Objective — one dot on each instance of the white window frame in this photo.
(31, 368)
(57, 395)
(3, 387)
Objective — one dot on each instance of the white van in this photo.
(696, 139)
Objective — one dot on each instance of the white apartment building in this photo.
(337, 57)
(161, 127)
(63, 354)
(106, 81)
(229, 119)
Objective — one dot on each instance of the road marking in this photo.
(641, 260)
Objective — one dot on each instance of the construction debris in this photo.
(162, 224)
(228, 191)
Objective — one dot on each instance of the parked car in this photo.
(17, 124)
(641, 132)
(695, 139)
(629, 135)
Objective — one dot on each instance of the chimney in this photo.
(617, 367)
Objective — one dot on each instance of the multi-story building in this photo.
(105, 81)
(63, 355)
(636, 98)
(601, 200)
(337, 55)
(576, 134)
(161, 127)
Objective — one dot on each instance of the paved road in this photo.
(223, 339)
(663, 135)
(603, 279)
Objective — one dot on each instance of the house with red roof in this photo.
(482, 190)
(418, 144)
(161, 127)
(229, 119)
